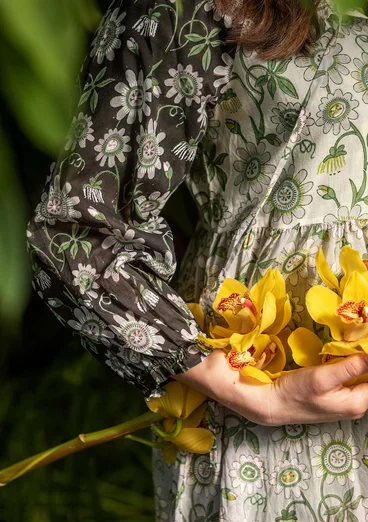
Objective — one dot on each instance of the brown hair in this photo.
(272, 28)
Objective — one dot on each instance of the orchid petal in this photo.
(260, 289)
(179, 401)
(169, 453)
(342, 349)
(356, 288)
(194, 440)
(278, 362)
(215, 343)
(269, 311)
(242, 342)
(322, 304)
(255, 373)
(350, 261)
(325, 272)
(305, 346)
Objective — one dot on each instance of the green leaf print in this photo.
(287, 87)
(351, 517)
(238, 439)
(252, 441)
(194, 37)
(348, 495)
(332, 510)
(206, 59)
(272, 87)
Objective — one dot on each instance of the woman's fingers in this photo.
(331, 376)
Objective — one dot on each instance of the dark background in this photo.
(52, 390)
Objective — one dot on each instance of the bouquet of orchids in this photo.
(250, 326)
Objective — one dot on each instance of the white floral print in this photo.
(134, 98)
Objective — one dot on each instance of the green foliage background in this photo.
(50, 389)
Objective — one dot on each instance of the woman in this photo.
(270, 138)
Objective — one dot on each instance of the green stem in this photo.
(364, 182)
(307, 503)
(80, 443)
(172, 434)
(323, 501)
(146, 442)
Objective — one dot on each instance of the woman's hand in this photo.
(308, 395)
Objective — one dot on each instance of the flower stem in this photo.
(146, 442)
(80, 443)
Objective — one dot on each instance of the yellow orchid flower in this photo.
(184, 410)
(345, 315)
(262, 358)
(350, 261)
(263, 309)
(178, 402)
(254, 317)
(191, 437)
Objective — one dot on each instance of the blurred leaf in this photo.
(14, 265)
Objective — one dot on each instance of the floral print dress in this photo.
(275, 156)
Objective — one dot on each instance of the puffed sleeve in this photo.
(101, 252)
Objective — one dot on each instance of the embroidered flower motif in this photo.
(57, 205)
(336, 458)
(184, 83)
(202, 111)
(335, 111)
(93, 190)
(292, 121)
(289, 197)
(294, 437)
(163, 266)
(85, 278)
(330, 63)
(119, 366)
(210, 5)
(361, 75)
(146, 299)
(192, 334)
(186, 150)
(247, 474)
(224, 72)
(296, 308)
(113, 146)
(148, 23)
(297, 261)
(150, 205)
(203, 475)
(347, 220)
(137, 334)
(149, 150)
(107, 38)
(118, 241)
(219, 213)
(290, 476)
(42, 279)
(116, 268)
(254, 168)
(154, 226)
(180, 303)
(80, 132)
(90, 325)
(134, 97)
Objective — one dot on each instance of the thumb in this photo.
(345, 371)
